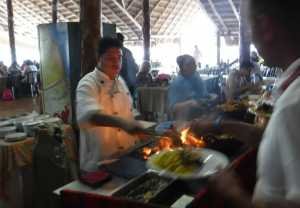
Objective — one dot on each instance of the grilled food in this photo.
(180, 162)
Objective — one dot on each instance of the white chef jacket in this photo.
(279, 151)
(95, 92)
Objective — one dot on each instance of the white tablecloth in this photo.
(153, 99)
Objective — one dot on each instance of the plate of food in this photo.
(187, 164)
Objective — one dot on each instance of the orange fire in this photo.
(162, 144)
(165, 143)
(190, 140)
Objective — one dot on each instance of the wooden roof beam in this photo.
(61, 4)
(48, 9)
(178, 4)
(139, 27)
(78, 6)
(37, 9)
(38, 18)
(212, 6)
(179, 16)
(235, 11)
(130, 4)
(153, 8)
(160, 17)
(183, 20)
(19, 21)
(120, 19)
(122, 3)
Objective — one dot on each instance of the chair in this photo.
(50, 168)
(32, 80)
(75, 199)
(15, 82)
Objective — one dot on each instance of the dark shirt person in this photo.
(129, 67)
(144, 77)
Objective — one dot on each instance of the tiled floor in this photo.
(19, 106)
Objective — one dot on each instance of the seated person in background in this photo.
(255, 61)
(239, 82)
(163, 79)
(28, 67)
(14, 69)
(3, 70)
(186, 90)
(104, 109)
(144, 77)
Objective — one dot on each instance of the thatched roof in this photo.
(167, 16)
(226, 15)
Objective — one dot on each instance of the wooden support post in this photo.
(54, 10)
(146, 30)
(90, 15)
(245, 35)
(218, 48)
(100, 19)
(11, 32)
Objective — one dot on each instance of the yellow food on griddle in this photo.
(174, 161)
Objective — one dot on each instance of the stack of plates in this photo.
(29, 127)
(6, 123)
(53, 120)
(7, 130)
(42, 117)
(15, 137)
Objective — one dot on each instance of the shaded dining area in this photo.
(149, 103)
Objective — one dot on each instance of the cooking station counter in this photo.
(131, 170)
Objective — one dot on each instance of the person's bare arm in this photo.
(225, 184)
(244, 132)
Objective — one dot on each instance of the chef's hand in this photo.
(201, 127)
(225, 184)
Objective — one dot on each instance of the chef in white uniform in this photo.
(104, 109)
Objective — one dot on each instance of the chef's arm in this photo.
(100, 119)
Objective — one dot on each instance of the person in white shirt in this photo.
(240, 82)
(104, 109)
(277, 38)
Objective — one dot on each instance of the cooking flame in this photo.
(189, 139)
(166, 143)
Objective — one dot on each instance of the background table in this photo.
(16, 159)
(153, 100)
(3, 82)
